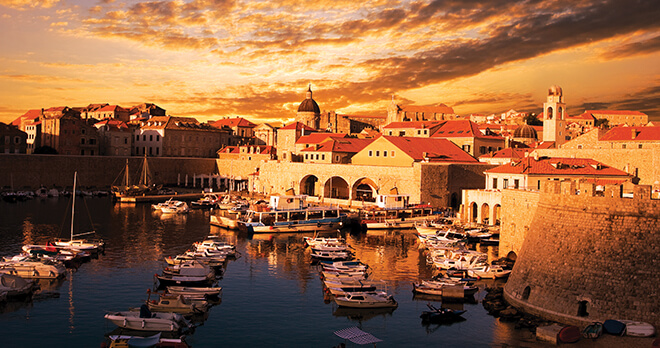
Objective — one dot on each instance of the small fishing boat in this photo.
(569, 334)
(331, 255)
(210, 200)
(393, 212)
(177, 303)
(446, 288)
(488, 271)
(32, 269)
(369, 299)
(638, 328)
(344, 266)
(175, 207)
(341, 287)
(593, 330)
(441, 315)
(145, 320)
(16, 287)
(195, 292)
(614, 327)
(191, 273)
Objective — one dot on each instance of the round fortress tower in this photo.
(590, 258)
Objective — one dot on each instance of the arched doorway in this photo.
(365, 190)
(336, 187)
(308, 185)
(485, 214)
(474, 212)
(496, 214)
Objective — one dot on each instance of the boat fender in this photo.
(125, 322)
(143, 321)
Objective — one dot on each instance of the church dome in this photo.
(309, 105)
(525, 131)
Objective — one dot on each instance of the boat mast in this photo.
(73, 203)
(126, 176)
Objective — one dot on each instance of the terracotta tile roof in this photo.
(413, 124)
(558, 166)
(113, 123)
(584, 116)
(460, 129)
(113, 108)
(229, 149)
(615, 112)
(29, 115)
(299, 126)
(233, 122)
(345, 145)
(437, 109)
(362, 116)
(437, 150)
(315, 138)
(622, 133)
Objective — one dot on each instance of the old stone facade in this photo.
(583, 258)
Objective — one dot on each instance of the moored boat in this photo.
(393, 212)
(145, 320)
(369, 299)
(441, 315)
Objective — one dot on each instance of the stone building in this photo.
(116, 138)
(467, 135)
(350, 124)
(333, 150)
(177, 137)
(287, 137)
(620, 117)
(248, 153)
(554, 117)
(412, 128)
(12, 139)
(64, 130)
(405, 151)
(242, 130)
(266, 134)
(400, 113)
(108, 111)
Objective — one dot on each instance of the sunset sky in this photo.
(214, 58)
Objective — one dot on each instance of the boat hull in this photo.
(165, 322)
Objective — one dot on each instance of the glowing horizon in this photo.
(223, 58)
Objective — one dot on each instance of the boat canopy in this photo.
(357, 336)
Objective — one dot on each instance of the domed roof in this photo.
(309, 105)
(525, 131)
(555, 90)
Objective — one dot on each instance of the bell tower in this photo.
(554, 117)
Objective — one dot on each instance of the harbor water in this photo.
(272, 293)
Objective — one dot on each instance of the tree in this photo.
(602, 122)
(45, 150)
(532, 120)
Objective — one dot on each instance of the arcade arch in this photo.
(309, 185)
(365, 190)
(336, 187)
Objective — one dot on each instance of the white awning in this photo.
(357, 336)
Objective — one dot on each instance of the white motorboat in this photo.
(331, 255)
(338, 287)
(344, 266)
(195, 292)
(369, 299)
(394, 212)
(15, 286)
(175, 207)
(488, 271)
(447, 288)
(145, 320)
(30, 269)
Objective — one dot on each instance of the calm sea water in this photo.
(272, 293)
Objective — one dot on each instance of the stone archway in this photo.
(496, 214)
(485, 214)
(336, 187)
(309, 185)
(364, 189)
(474, 212)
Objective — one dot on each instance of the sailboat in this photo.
(75, 242)
(143, 187)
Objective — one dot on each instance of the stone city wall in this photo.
(588, 258)
(517, 214)
(23, 171)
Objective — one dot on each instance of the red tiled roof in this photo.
(346, 145)
(413, 124)
(298, 126)
(233, 122)
(113, 108)
(437, 109)
(615, 112)
(315, 138)
(460, 129)
(626, 134)
(112, 123)
(584, 116)
(558, 166)
(437, 150)
(30, 114)
(229, 149)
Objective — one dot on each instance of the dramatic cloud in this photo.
(28, 4)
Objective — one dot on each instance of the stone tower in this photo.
(309, 112)
(554, 114)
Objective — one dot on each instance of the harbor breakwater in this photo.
(32, 171)
(584, 256)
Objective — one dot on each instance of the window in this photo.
(419, 132)
(306, 156)
(516, 183)
(390, 132)
(623, 146)
(505, 183)
(151, 137)
(157, 137)
(317, 156)
(482, 149)
(385, 153)
(579, 147)
(466, 148)
(402, 133)
(392, 153)
(377, 153)
(82, 141)
(494, 183)
(323, 157)
(144, 137)
(157, 150)
(371, 153)
(639, 146)
(337, 158)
